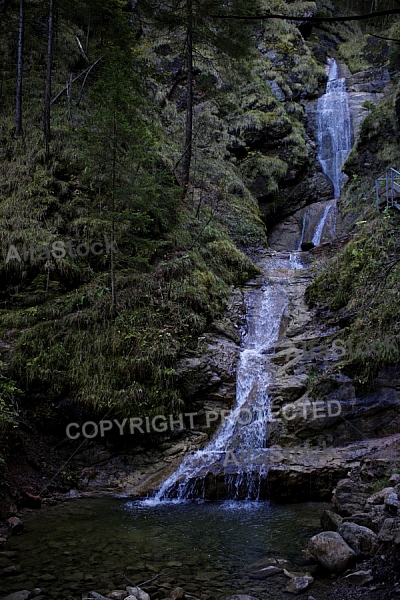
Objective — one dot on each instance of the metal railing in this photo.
(387, 186)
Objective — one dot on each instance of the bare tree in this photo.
(47, 93)
(20, 64)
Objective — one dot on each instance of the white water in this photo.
(334, 133)
(318, 223)
(243, 434)
(316, 240)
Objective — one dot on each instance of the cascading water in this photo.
(231, 460)
(334, 133)
(318, 223)
(232, 454)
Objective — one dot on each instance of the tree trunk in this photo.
(113, 186)
(47, 94)
(187, 157)
(18, 96)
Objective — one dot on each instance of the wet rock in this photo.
(358, 578)
(240, 597)
(177, 593)
(12, 570)
(390, 531)
(118, 594)
(137, 592)
(330, 521)
(331, 551)
(15, 524)
(21, 595)
(267, 567)
(36, 592)
(362, 540)
(298, 584)
(47, 577)
(96, 596)
(266, 572)
(394, 479)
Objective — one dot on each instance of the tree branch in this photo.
(75, 79)
(372, 15)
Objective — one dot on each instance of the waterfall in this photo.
(234, 452)
(318, 223)
(334, 133)
(316, 240)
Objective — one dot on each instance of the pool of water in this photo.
(104, 544)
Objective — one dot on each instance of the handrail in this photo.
(391, 177)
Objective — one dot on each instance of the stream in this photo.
(205, 548)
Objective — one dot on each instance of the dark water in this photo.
(205, 548)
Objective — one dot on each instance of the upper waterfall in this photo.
(334, 132)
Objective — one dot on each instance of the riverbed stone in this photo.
(118, 594)
(137, 592)
(15, 524)
(358, 578)
(97, 596)
(362, 540)
(297, 584)
(177, 593)
(21, 595)
(241, 597)
(331, 551)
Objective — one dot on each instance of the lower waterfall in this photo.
(234, 461)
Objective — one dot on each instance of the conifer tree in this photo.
(198, 24)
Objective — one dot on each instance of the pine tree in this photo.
(199, 23)
(120, 145)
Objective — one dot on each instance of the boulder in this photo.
(330, 521)
(362, 540)
(137, 592)
(21, 595)
(177, 593)
(15, 524)
(349, 498)
(358, 578)
(96, 596)
(392, 503)
(390, 531)
(331, 551)
(118, 594)
(298, 584)
(241, 597)
(380, 497)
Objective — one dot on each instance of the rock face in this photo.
(211, 370)
(331, 551)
